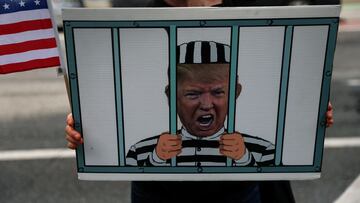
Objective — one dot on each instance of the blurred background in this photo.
(35, 165)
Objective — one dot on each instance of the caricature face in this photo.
(202, 99)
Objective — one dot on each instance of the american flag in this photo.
(27, 39)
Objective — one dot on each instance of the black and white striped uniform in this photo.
(202, 152)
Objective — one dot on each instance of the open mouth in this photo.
(205, 120)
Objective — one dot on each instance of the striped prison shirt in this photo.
(202, 152)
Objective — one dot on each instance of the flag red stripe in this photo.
(27, 46)
(33, 64)
(25, 26)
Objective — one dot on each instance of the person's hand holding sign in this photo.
(232, 145)
(329, 115)
(168, 146)
(72, 136)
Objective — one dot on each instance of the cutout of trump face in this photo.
(202, 97)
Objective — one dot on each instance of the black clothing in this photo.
(276, 191)
(194, 192)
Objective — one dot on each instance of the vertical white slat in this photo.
(144, 65)
(259, 71)
(305, 79)
(94, 60)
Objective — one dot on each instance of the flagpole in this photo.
(66, 80)
(62, 69)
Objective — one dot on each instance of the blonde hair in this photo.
(205, 73)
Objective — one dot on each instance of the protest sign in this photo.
(244, 89)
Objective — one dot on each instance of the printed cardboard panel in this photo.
(218, 95)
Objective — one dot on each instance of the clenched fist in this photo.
(232, 145)
(168, 146)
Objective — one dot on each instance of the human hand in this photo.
(168, 146)
(72, 136)
(232, 145)
(329, 115)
